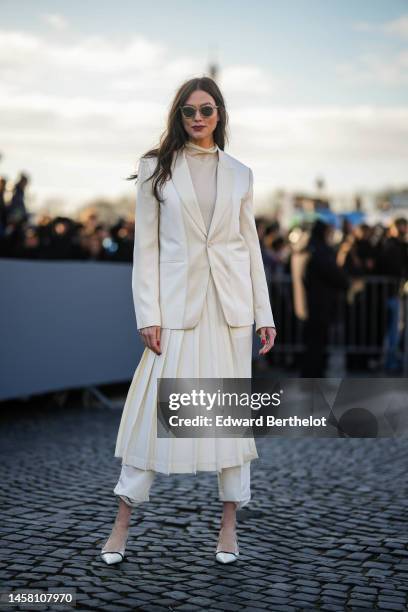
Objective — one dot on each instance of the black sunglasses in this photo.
(206, 110)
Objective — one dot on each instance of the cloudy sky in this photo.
(312, 88)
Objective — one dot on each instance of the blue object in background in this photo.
(355, 217)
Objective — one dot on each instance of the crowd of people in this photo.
(59, 237)
(365, 265)
(321, 263)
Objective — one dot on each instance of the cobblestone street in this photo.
(326, 528)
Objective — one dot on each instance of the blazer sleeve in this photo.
(262, 306)
(145, 273)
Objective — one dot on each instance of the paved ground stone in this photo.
(326, 527)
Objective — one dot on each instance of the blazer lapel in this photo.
(225, 185)
(184, 186)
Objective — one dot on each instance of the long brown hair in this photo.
(174, 136)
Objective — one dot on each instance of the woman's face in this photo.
(207, 124)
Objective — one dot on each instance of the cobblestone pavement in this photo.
(326, 528)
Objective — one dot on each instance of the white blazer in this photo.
(173, 253)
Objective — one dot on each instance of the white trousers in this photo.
(233, 484)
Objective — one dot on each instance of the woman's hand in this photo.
(267, 335)
(151, 337)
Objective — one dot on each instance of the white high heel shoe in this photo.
(223, 556)
(112, 557)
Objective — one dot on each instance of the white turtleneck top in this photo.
(203, 165)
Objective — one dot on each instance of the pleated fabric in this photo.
(212, 349)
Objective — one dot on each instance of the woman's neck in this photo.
(206, 143)
(195, 149)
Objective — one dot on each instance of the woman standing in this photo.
(198, 285)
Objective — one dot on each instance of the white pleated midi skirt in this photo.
(212, 349)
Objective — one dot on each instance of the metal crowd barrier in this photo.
(359, 328)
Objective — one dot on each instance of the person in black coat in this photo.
(17, 212)
(393, 263)
(323, 280)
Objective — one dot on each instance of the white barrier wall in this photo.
(65, 324)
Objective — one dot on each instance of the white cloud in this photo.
(249, 79)
(396, 27)
(379, 67)
(77, 115)
(365, 132)
(56, 21)
(374, 68)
